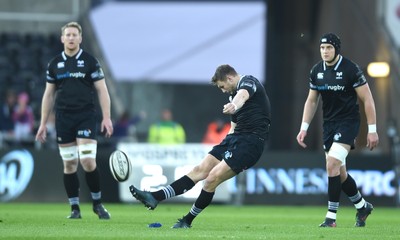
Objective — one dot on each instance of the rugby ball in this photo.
(120, 166)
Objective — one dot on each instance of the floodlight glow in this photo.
(378, 69)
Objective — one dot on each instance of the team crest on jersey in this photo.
(60, 65)
(80, 63)
(320, 75)
(339, 75)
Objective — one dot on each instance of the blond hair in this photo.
(72, 24)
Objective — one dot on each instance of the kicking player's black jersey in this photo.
(255, 115)
(337, 84)
(74, 78)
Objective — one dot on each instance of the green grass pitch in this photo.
(130, 221)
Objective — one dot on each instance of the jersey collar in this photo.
(76, 56)
(336, 64)
(238, 83)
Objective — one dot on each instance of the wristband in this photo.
(372, 128)
(304, 126)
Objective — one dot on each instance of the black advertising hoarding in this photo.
(297, 178)
(289, 178)
(286, 178)
(30, 175)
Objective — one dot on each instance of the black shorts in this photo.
(240, 151)
(345, 131)
(70, 126)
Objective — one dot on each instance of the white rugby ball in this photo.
(120, 166)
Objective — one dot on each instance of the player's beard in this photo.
(332, 60)
(71, 48)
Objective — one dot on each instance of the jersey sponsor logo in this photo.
(249, 84)
(71, 75)
(98, 74)
(80, 63)
(60, 65)
(339, 75)
(336, 88)
(360, 81)
(330, 88)
(85, 132)
(320, 75)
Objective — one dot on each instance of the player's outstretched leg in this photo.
(151, 199)
(145, 197)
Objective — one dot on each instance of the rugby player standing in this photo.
(340, 82)
(73, 79)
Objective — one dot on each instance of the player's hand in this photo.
(229, 108)
(41, 134)
(372, 140)
(300, 138)
(107, 127)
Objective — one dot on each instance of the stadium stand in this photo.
(23, 59)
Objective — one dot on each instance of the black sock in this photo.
(334, 190)
(176, 188)
(75, 207)
(201, 203)
(93, 180)
(349, 186)
(71, 184)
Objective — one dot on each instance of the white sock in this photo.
(331, 215)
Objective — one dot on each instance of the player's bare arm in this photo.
(365, 96)
(104, 100)
(237, 102)
(310, 107)
(47, 106)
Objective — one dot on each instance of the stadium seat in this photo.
(23, 62)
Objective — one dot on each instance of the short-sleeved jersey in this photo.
(255, 115)
(74, 78)
(337, 85)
